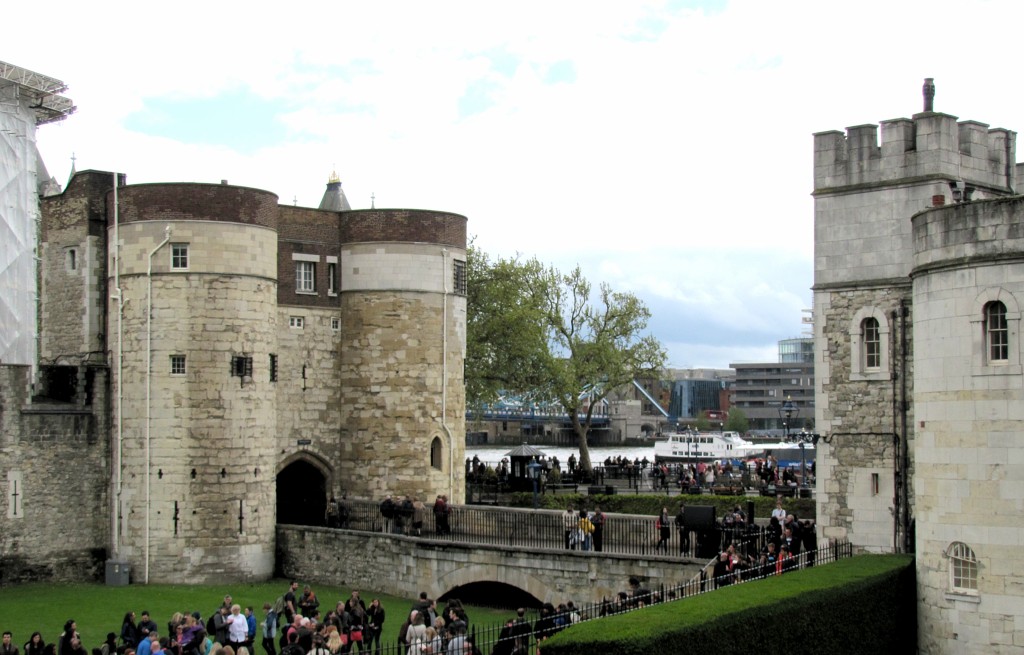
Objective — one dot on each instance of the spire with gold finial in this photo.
(334, 198)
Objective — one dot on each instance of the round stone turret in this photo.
(199, 410)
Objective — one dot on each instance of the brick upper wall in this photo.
(416, 225)
(196, 202)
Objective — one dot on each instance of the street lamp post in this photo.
(533, 469)
(787, 412)
(803, 460)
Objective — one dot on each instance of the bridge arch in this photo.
(486, 592)
(473, 574)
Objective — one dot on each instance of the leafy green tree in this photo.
(737, 421)
(594, 346)
(703, 424)
(505, 328)
(533, 330)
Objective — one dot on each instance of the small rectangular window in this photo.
(305, 277)
(460, 277)
(178, 365)
(335, 323)
(179, 256)
(273, 368)
(241, 366)
(332, 278)
(71, 262)
(874, 484)
(296, 322)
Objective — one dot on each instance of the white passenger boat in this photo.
(786, 453)
(700, 447)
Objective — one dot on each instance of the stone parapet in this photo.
(404, 566)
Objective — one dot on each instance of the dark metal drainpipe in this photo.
(904, 434)
(895, 374)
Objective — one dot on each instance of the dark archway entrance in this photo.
(301, 495)
(492, 594)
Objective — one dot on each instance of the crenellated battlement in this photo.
(930, 145)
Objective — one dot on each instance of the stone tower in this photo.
(865, 194)
(919, 265)
(198, 280)
(969, 474)
(403, 344)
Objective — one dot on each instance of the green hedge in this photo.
(865, 604)
(651, 504)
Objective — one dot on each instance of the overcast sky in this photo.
(663, 146)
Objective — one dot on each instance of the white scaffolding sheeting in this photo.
(18, 210)
(26, 100)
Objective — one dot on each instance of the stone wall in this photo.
(308, 392)
(855, 471)
(72, 271)
(54, 470)
(392, 395)
(404, 566)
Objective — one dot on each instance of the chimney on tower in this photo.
(929, 94)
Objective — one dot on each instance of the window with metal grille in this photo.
(872, 343)
(963, 568)
(459, 281)
(241, 366)
(305, 277)
(178, 365)
(996, 333)
(273, 368)
(179, 256)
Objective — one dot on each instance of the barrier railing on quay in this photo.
(622, 534)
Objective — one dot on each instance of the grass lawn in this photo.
(99, 609)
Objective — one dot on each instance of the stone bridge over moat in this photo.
(404, 566)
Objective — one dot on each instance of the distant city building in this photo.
(796, 350)
(692, 398)
(761, 389)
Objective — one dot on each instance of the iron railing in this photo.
(528, 633)
(623, 534)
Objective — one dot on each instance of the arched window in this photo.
(963, 568)
(436, 454)
(996, 332)
(871, 343)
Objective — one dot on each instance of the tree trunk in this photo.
(581, 441)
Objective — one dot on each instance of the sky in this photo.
(665, 147)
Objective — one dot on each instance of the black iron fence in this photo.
(620, 534)
(526, 634)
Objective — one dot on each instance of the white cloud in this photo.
(674, 161)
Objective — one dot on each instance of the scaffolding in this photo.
(27, 99)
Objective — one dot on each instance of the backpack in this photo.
(211, 627)
(401, 632)
(387, 508)
(278, 607)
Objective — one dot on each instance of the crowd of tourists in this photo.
(296, 624)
